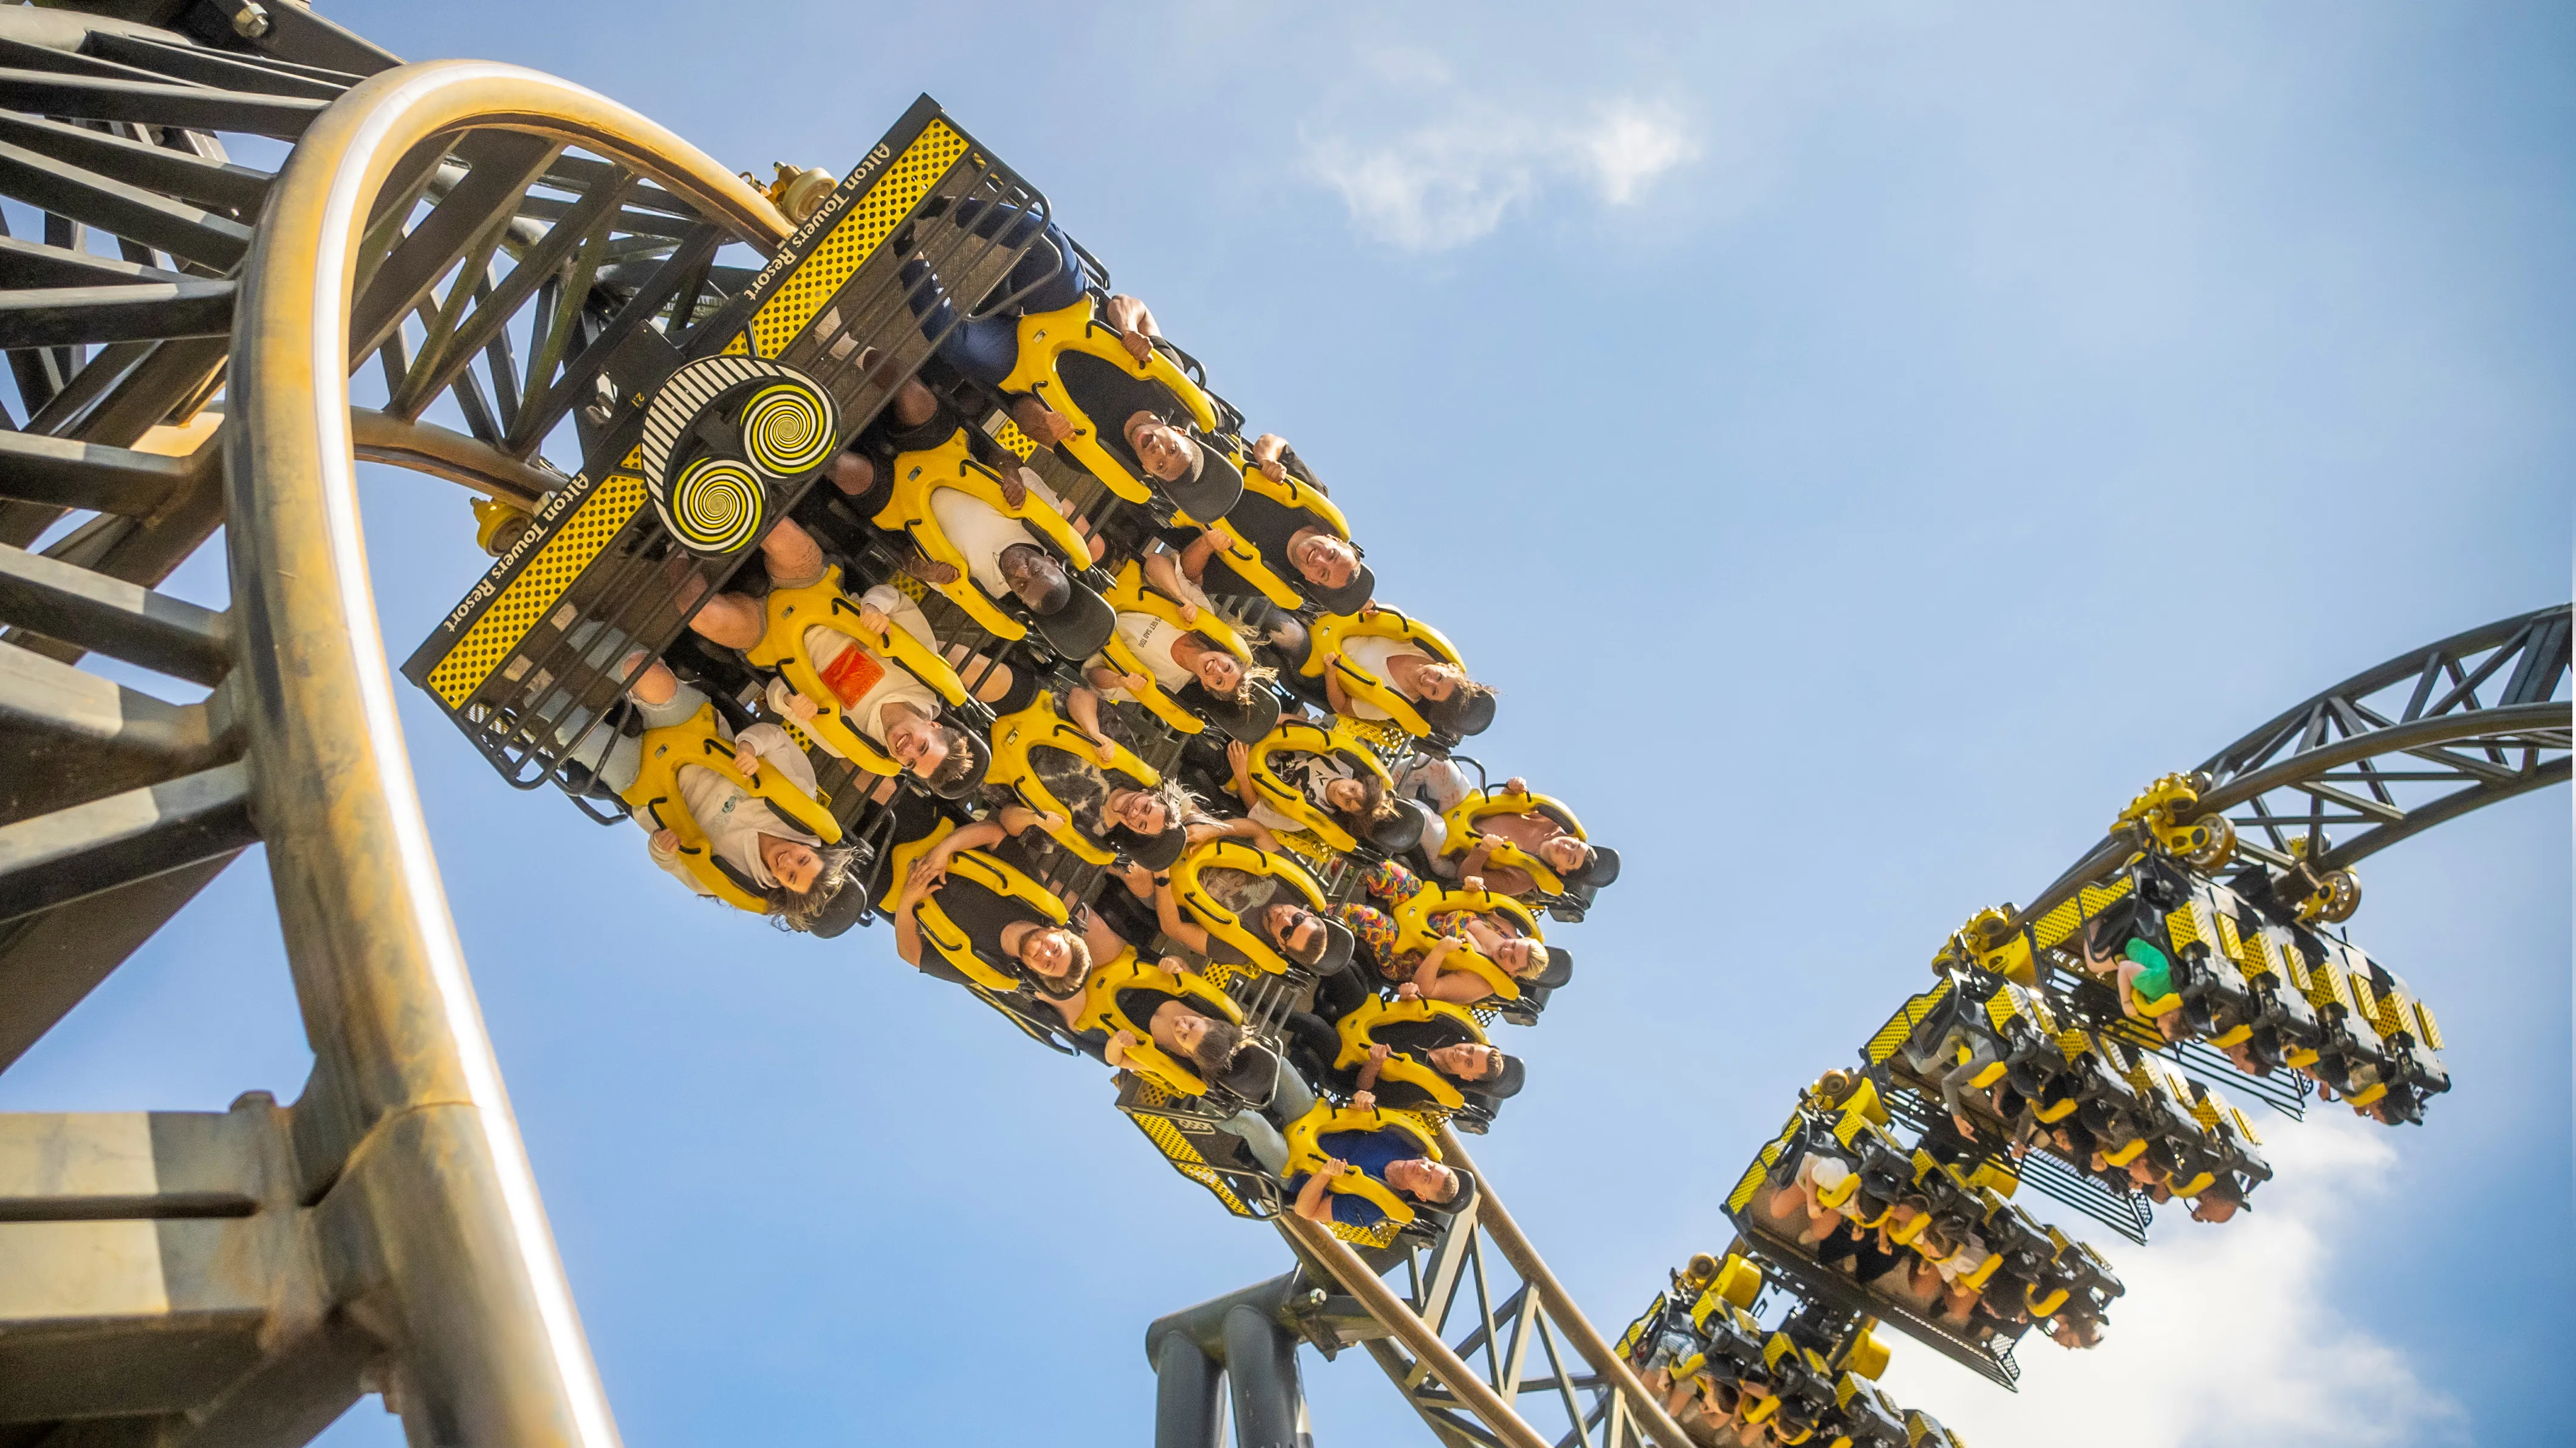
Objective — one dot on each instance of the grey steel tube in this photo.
(1261, 1375)
(442, 1197)
(1185, 1397)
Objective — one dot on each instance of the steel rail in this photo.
(1479, 1398)
(2372, 680)
(1588, 1342)
(489, 1318)
(2506, 723)
(2293, 750)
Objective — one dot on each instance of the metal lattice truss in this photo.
(181, 327)
(2389, 753)
(1484, 1344)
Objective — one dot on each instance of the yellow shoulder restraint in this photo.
(952, 464)
(822, 604)
(695, 743)
(1293, 735)
(1324, 658)
(1045, 336)
(1413, 930)
(1304, 1155)
(978, 868)
(1357, 1030)
(1222, 922)
(1478, 806)
(1736, 1285)
(1130, 595)
(1131, 971)
(1246, 560)
(1036, 726)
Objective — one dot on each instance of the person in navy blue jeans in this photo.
(1138, 418)
(1388, 1155)
(1048, 277)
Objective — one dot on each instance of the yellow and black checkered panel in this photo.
(860, 230)
(534, 592)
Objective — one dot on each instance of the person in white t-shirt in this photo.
(1003, 557)
(1440, 690)
(881, 699)
(795, 872)
(1175, 657)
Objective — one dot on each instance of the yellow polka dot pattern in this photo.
(1010, 436)
(1176, 1148)
(868, 222)
(562, 558)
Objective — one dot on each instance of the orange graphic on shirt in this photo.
(850, 676)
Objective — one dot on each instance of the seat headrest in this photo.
(846, 909)
(1602, 870)
(1338, 945)
(1560, 968)
(1479, 715)
(1466, 1194)
(1249, 723)
(1081, 627)
(1402, 830)
(1208, 493)
(1155, 852)
(1346, 599)
(1507, 1084)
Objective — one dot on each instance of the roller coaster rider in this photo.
(1352, 797)
(1137, 417)
(880, 699)
(1303, 547)
(792, 870)
(1294, 932)
(1055, 958)
(1176, 659)
(1430, 1036)
(1436, 687)
(1388, 1157)
(1476, 925)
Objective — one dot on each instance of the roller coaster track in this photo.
(265, 1266)
(2424, 738)
(485, 235)
(383, 1232)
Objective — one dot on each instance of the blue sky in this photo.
(1864, 446)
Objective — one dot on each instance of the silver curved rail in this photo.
(384, 1232)
(357, 882)
(2428, 736)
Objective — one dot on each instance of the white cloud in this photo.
(2225, 1335)
(1447, 181)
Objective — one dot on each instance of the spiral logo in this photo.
(787, 429)
(716, 505)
